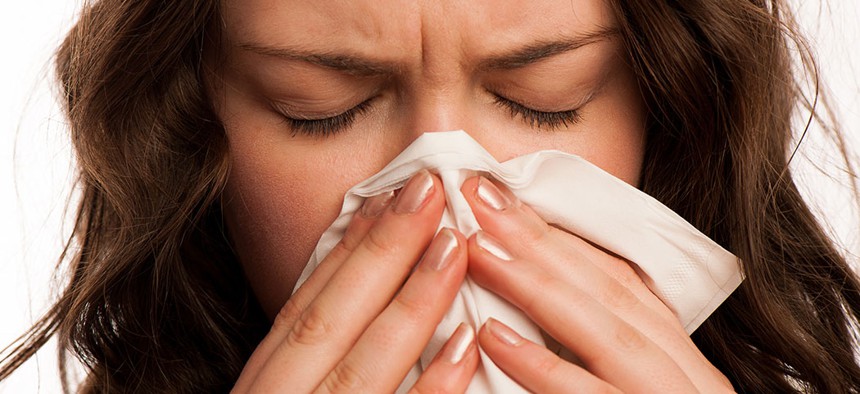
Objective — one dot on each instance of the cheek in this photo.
(275, 217)
(279, 199)
(613, 134)
(619, 147)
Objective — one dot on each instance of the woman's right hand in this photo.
(355, 325)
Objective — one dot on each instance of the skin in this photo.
(422, 67)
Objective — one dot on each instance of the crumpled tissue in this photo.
(689, 272)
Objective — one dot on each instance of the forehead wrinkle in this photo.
(440, 40)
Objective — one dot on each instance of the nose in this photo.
(436, 112)
(444, 110)
(442, 102)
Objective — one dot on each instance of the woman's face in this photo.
(318, 95)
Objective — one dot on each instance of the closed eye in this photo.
(539, 119)
(323, 127)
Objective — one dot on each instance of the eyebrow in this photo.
(347, 63)
(535, 52)
(356, 65)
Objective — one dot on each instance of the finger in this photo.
(606, 278)
(453, 367)
(361, 223)
(604, 343)
(533, 366)
(394, 341)
(359, 289)
(362, 220)
(501, 214)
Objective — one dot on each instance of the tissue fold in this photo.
(690, 273)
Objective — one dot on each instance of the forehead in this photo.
(399, 28)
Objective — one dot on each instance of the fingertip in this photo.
(374, 206)
(459, 234)
(533, 366)
(469, 189)
(435, 202)
(503, 196)
(489, 262)
(445, 250)
(491, 246)
(462, 242)
(438, 196)
(472, 358)
(470, 186)
(459, 345)
(438, 187)
(452, 369)
(501, 333)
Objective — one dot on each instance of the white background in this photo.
(36, 167)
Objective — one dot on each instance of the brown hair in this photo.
(157, 301)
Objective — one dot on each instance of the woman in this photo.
(216, 140)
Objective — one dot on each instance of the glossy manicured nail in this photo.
(460, 342)
(503, 333)
(491, 195)
(441, 250)
(486, 242)
(375, 206)
(413, 195)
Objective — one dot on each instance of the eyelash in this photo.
(328, 126)
(539, 119)
(325, 127)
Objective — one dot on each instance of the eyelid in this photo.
(541, 119)
(295, 112)
(352, 96)
(572, 98)
(326, 125)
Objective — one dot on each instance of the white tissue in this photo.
(690, 273)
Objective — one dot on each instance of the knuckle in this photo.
(622, 272)
(312, 327)
(617, 296)
(412, 308)
(548, 365)
(288, 314)
(534, 233)
(531, 300)
(378, 243)
(353, 235)
(347, 378)
(340, 250)
(629, 340)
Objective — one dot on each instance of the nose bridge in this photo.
(436, 106)
(439, 111)
(426, 111)
(439, 95)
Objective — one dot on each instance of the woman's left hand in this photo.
(591, 302)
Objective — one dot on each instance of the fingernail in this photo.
(486, 242)
(491, 195)
(441, 250)
(460, 342)
(375, 206)
(503, 333)
(413, 195)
